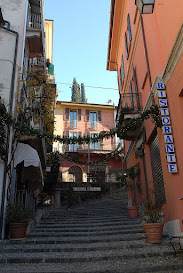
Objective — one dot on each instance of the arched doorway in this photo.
(76, 173)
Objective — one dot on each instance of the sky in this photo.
(80, 44)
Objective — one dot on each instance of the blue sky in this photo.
(81, 29)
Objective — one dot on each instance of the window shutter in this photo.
(129, 28)
(120, 77)
(79, 135)
(87, 115)
(131, 95)
(126, 46)
(66, 133)
(123, 68)
(67, 113)
(79, 114)
(135, 80)
(99, 116)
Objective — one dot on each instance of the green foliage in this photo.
(151, 212)
(120, 130)
(75, 97)
(18, 214)
(83, 96)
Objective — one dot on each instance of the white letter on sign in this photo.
(163, 103)
(165, 120)
(171, 158)
(168, 139)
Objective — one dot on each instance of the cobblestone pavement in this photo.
(93, 237)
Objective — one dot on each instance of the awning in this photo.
(26, 153)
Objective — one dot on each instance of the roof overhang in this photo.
(115, 26)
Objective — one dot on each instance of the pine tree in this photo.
(83, 96)
(75, 97)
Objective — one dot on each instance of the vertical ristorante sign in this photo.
(167, 129)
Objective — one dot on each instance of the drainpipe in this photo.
(3, 207)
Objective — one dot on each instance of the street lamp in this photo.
(145, 6)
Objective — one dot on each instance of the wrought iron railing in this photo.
(131, 102)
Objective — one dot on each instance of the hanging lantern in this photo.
(145, 6)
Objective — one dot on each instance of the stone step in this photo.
(109, 265)
(84, 256)
(82, 240)
(55, 233)
(60, 228)
(68, 224)
(8, 247)
(90, 221)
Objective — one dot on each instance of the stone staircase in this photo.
(93, 237)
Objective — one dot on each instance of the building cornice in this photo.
(86, 105)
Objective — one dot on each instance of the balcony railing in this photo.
(131, 102)
(73, 124)
(34, 21)
(36, 64)
(94, 125)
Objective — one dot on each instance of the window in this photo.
(94, 145)
(131, 94)
(129, 28)
(126, 46)
(73, 147)
(73, 118)
(93, 120)
(123, 68)
(120, 77)
(94, 117)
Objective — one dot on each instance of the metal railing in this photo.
(22, 197)
(34, 21)
(131, 102)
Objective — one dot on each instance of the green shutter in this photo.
(99, 116)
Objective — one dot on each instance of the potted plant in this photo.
(152, 221)
(132, 208)
(18, 218)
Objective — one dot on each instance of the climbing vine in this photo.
(121, 130)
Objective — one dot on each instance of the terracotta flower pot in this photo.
(153, 232)
(133, 211)
(18, 230)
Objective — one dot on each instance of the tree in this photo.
(83, 96)
(75, 97)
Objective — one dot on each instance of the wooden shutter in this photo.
(66, 133)
(99, 116)
(126, 45)
(123, 68)
(120, 77)
(79, 135)
(67, 113)
(157, 171)
(129, 28)
(79, 114)
(131, 95)
(87, 115)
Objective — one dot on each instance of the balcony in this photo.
(73, 124)
(129, 107)
(36, 64)
(94, 125)
(34, 35)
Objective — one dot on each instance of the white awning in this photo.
(26, 153)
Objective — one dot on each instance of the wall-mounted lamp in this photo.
(145, 6)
